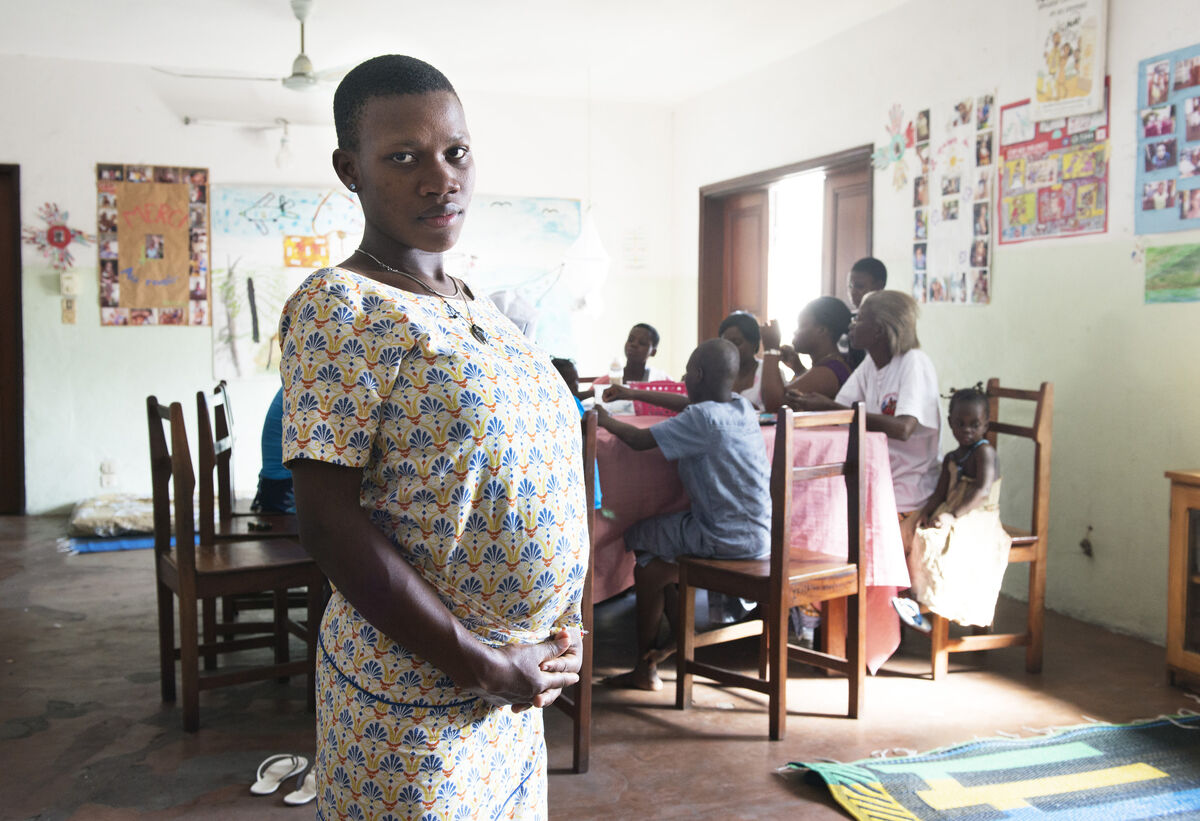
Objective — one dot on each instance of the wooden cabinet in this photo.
(1183, 577)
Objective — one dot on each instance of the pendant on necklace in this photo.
(450, 312)
(479, 334)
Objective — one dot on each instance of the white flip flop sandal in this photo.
(306, 789)
(275, 770)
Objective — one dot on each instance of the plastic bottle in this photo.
(616, 371)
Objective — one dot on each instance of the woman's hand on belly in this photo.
(532, 675)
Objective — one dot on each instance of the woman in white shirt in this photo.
(898, 383)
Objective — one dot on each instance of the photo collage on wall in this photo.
(952, 210)
(1167, 182)
(152, 226)
(1053, 178)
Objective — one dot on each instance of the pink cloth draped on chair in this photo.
(637, 485)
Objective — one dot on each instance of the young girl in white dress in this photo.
(960, 551)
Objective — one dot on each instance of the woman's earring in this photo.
(353, 187)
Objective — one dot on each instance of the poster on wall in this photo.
(517, 251)
(952, 210)
(1167, 170)
(1071, 58)
(1053, 175)
(152, 228)
(1173, 273)
(266, 240)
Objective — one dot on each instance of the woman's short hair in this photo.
(830, 313)
(745, 322)
(383, 76)
(896, 312)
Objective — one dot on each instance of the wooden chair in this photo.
(579, 705)
(195, 571)
(1027, 545)
(790, 577)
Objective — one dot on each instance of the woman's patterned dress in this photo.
(471, 465)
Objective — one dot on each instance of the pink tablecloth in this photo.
(637, 485)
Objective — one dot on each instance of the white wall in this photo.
(1067, 311)
(85, 385)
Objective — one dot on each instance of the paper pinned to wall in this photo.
(1167, 168)
(1054, 177)
(152, 222)
(1173, 273)
(1072, 37)
(952, 209)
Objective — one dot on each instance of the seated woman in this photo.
(822, 323)
(640, 346)
(898, 383)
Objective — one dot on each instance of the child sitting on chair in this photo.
(960, 550)
(723, 466)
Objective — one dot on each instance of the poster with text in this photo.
(152, 227)
(1053, 176)
(1167, 169)
(1071, 58)
(952, 208)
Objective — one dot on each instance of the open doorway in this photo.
(773, 241)
(12, 403)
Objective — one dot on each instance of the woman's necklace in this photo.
(477, 332)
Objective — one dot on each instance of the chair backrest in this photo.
(784, 474)
(216, 447)
(171, 468)
(1040, 432)
(663, 386)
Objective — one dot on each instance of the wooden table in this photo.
(640, 484)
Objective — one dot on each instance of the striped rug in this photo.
(1112, 772)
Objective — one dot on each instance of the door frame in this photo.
(710, 277)
(12, 369)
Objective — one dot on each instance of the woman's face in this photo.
(864, 330)
(413, 168)
(809, 334)
(746, 351)
(638, 346)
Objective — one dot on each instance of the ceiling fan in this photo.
(303, 76)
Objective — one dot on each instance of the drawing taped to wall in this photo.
(1071, 58)
(1167, 169)
(55, 239)
(152, 223)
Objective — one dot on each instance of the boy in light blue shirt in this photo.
(723, 466)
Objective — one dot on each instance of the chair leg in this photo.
(764, 652)
(855, 648)
(583, 707)
(279, 599)
(166, 641)
(776, 624)
(189, 662)
(1037, 616)
(686, 642)
(939, 656)
(229, 612)
(209, 618)
(833, 628)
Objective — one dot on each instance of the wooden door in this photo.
(12, 403)
(733, 268)
(847, 224)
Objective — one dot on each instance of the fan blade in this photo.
(191, 76)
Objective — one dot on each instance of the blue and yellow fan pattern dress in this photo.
(471, 466)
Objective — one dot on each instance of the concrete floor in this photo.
(83, 734)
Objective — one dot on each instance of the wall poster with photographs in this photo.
(1053, 175)
(266, 240)
(1070, 58)
(1167, 177)
(152, 226)
(952, 207)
